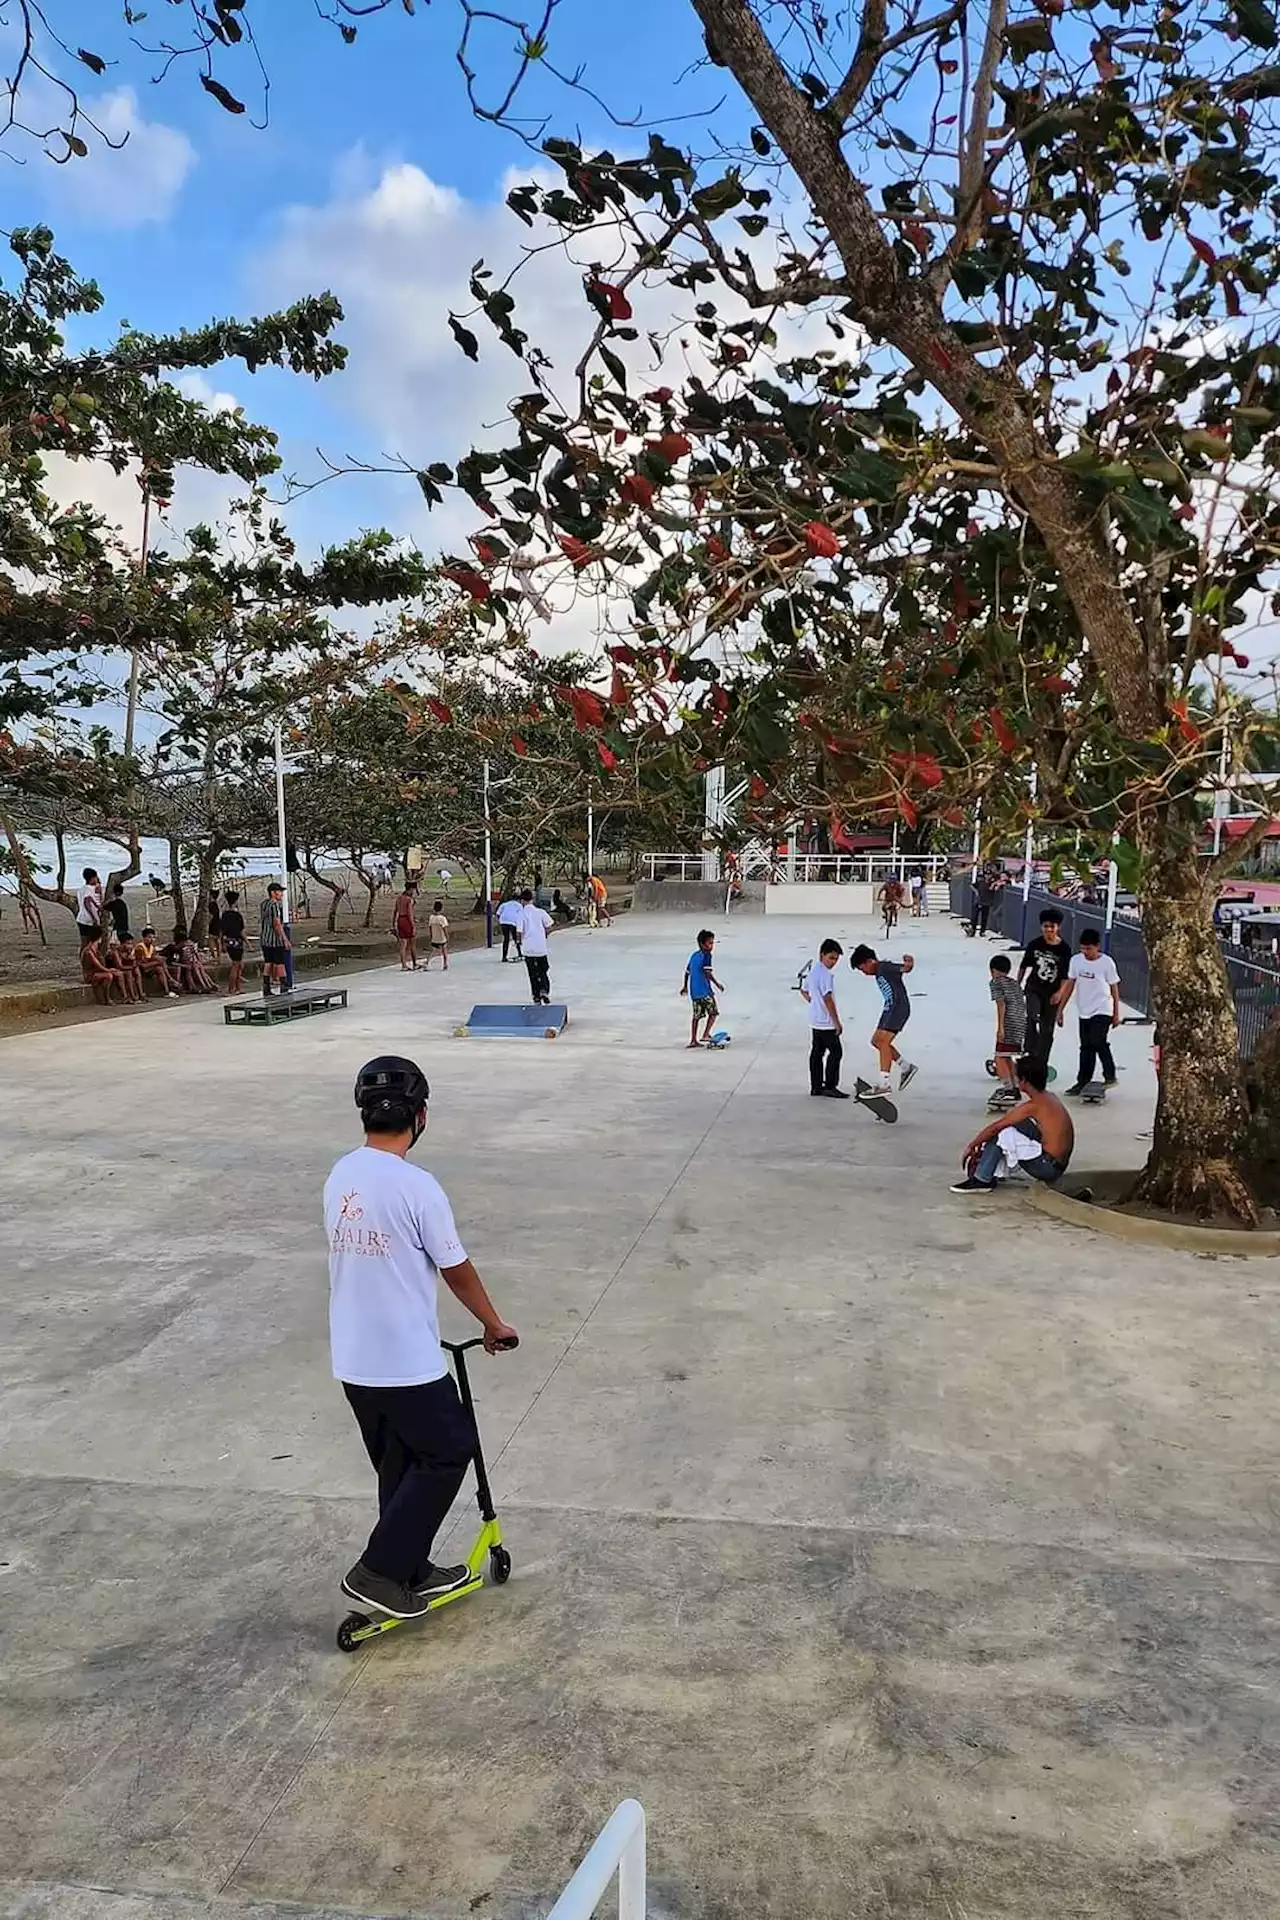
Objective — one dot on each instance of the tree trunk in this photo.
(175, 884)
(206, 865)
(332, 887)
(369, 884)
(55, 896)
(1201, 1144)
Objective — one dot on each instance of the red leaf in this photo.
(625, 656)
(1204, 250)
(637, 490)
(1241, 659)
(608, 759)
(1231, 294)
(720, 700)
(907, 808)
(1186, 725)
(619, 436)
(673, 446)
(614, 298)
(576, 550)
(518, 745)
(1102, 60)
(820, 540)
(1004, 733)
(485, 554)
(661, 394)
(1056, 684)
(716, 548)
(918, 236)
(442, 713)
(588, 707)
(470, 581)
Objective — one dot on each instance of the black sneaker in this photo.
(834, 1093)
(973, 1186)
(1073, 1092)
(442, 1580)
(384, 1596)
(1112, 1082)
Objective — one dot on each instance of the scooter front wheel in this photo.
(499, 1566)
(351, 1626)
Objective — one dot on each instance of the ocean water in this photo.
(106, 857)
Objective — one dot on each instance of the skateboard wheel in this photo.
(499, 1566)
(351, 1626)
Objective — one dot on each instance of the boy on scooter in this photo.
(391, 1235)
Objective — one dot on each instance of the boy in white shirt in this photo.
(535, 925)
(1094, 979)
(391, 1236)
(826, 1049)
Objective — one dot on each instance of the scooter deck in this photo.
(878, 1103)
(488, 1549)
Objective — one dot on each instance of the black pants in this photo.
(539, 967)
(1095, 1045)
(1042, 1024)
(508, 935)
(826, 1051)
(421, 1443)
(979, 914)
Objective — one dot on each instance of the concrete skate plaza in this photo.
(906, 1556)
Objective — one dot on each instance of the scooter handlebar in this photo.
(465, 1346)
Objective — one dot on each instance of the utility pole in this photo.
(131, 709)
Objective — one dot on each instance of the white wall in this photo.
(826, 897)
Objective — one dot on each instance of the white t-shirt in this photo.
(390, 1230)
(820, 980)
(1094, 980)
(89, 907)
(534, 922)
(509, 913)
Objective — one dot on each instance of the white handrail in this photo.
(619, 1849)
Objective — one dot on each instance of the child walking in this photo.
(700, 984)
(1011, 1026)
(438, 935)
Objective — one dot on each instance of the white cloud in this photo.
(125, 185)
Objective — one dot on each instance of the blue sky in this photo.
(372, 177)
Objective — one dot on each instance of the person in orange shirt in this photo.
(599, 896)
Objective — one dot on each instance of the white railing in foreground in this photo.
(620, 1850)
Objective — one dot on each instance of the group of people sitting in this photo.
(123, 968)
(116, 965)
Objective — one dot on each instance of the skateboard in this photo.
(720, 1039)
(996, 1104)
(879, 1103)
(1094, 1095)
(1051, 1072)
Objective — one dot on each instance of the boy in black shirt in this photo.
(1042, 974)
(233, 942)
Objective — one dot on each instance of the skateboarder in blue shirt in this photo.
(700, 984)
(889, 976)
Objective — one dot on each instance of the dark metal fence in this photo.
(1256, 988)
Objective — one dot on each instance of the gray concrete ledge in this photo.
(1098, 1217)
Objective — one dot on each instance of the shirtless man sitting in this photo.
(103, 980)
(1036, 1136)
(123, 957)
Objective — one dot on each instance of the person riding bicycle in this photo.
(890, 898)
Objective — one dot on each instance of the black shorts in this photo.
(235, 949)
(274, 956)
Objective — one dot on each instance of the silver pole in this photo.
(591, 839)
(1112, 877)
(1221, 798)
(977, 835)
(488, 842)
(280, 821)
(1029, 846)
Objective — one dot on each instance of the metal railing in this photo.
(619, 1849)
(672, 866)
(1257, 996)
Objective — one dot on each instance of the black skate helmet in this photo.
(391, 1093)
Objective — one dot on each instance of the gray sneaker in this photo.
(383, 1595)
(442, 1580)
(907, 1075)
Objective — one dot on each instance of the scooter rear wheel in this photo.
(499, 1566)
(351, 1626)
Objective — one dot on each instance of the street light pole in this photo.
(284, 853)
(131, 710)
(488, 862)
(1027, 852)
